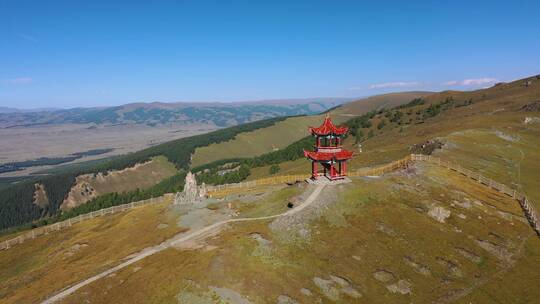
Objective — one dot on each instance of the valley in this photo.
(57, 134)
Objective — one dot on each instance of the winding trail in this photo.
(174, 241)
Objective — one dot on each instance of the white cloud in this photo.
(386, 85)
(19, 80)
(479, 81)
(397, 84)
(472, 82)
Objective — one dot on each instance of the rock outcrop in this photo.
(192, 193)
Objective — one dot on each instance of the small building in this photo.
(329, 158)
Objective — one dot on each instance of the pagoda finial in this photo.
(327, 115)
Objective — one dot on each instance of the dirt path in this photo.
(175, 241)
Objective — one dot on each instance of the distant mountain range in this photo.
(159, 113)
(15, 110)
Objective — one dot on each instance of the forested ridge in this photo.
(209, 173)
(174, 183)
(16, 207)
(16, 202)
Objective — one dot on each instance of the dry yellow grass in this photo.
(35, 269)
(374, 225)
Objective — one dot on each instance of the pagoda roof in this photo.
(327, 128)
(326, 156)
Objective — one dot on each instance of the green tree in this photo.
(432, 110)
(359, 136)
(274, 169)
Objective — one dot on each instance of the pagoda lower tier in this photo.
(332, 163)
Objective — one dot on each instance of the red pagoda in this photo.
(328, 151)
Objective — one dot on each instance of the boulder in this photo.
(440, 214)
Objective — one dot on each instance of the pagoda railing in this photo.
(331, 149)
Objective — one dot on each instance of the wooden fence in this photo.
(36, 232)
(524, 202)
(377, 171)
(280, 179)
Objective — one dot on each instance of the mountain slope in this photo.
(292, 129)
(378, 102)
(496, 110)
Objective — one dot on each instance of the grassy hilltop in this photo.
(424, 234)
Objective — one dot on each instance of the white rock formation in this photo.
(203, 192)
(192, 193)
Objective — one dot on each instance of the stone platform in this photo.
(323, 180)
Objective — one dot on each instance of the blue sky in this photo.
(95, 53)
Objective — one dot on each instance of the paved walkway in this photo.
(176, 240)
